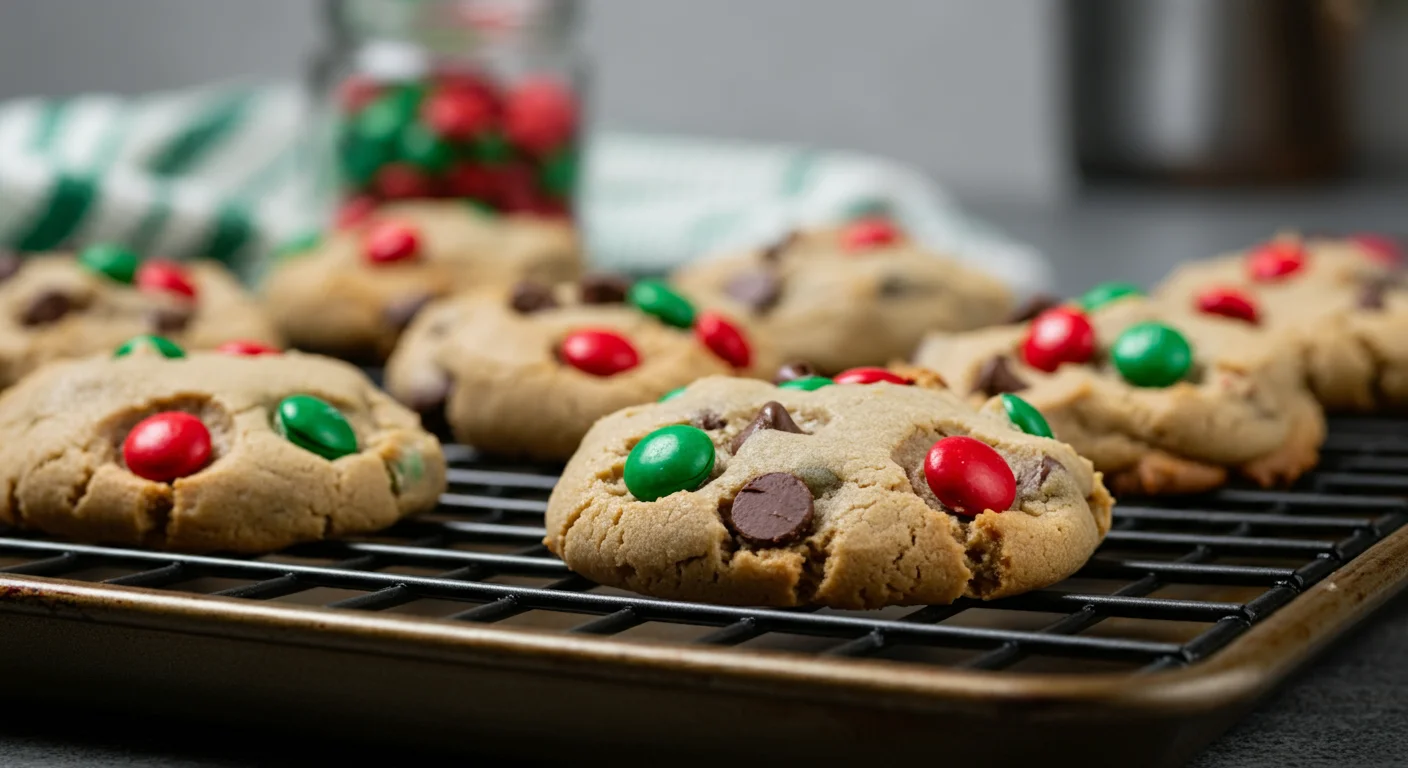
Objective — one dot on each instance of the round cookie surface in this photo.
(1164, 401)
(1343, 306)
(845, 297)
(52, 307)
(526, 371)
(353, 293)
(820, 498)
(71, 429)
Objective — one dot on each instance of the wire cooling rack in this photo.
(1174, 582)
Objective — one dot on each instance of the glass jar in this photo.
(480, 100)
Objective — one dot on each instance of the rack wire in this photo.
(1175, 580)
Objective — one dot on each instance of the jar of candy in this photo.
(479, 100)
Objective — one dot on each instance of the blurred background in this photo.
(1048, 118)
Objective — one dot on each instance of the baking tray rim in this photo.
(1247, 668)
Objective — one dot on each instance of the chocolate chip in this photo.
(529, 297)
(758, 291)
(708, 420)
(771, 416)
(771, 510)
(895, 286)
(996, 377)
(1371, 294)
(428, 398)
(1048, 465)
(399, 314)
(165, 320)
(46, 308)
(774, 252)
(604, 289)
(1032, 307)
(796, 369)
(9, 265)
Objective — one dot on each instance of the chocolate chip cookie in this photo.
(858, 295)
(58, 306)
(242, 452)
(1160, 399)
(352, 292)
(845, 495)
(1344, 302)
(525, 371)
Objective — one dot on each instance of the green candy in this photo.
(670, 459)
(807, 383)
(314, 425)
(655, 298)
(559, 173)
(1105, 293)
(111, 261)
(298, 244)
(1024, 417)
(1151, 355)
(360, 159)
(162, 346)
(672, 394)
(419, 146)
(384, 118)
(491, 148)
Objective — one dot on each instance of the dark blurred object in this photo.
(1212, 91)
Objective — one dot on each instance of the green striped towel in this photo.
(224, 172)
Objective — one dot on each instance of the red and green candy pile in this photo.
(458, 134)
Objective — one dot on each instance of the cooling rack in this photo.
(458, 629)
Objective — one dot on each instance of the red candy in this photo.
(355, 212)
(600, 353)
(1384, 250)
(1275, 260)
(869, 376)
(165, 277)
(516, 189)
(723, 339)
(458, 113)
(969, 477)
(1056, 336)
(247, 348)
(465, 80)
(469, 180)
(1228, 302)
(391, 241)
(540, 115)
(166, 446)
(400, 181)
(868, 233)
(356, 92)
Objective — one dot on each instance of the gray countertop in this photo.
(1350, 708)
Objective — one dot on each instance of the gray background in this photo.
(972, 91)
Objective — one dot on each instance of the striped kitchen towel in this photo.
(229, 172)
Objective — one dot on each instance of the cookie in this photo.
(845, 495)
(352, 293)
(209, 451)
(1344, 302)
(525, 371)
(59, 306)
(858, 295)
(1161, 400)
